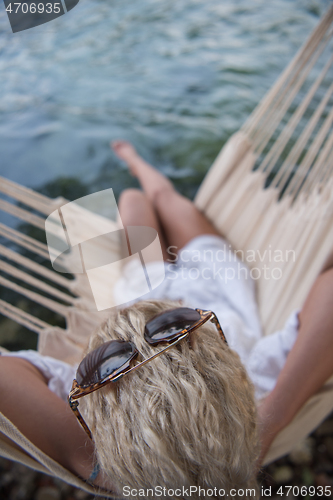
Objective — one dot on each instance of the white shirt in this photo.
(206, 275)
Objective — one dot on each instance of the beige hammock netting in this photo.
(270, 192)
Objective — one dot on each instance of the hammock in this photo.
(288, 143)
(270, 192)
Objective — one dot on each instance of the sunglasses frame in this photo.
(78, 392)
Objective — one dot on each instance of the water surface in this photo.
(175, 77)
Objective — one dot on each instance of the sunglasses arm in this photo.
(74, 407)
(218, 326)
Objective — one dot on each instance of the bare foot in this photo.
(151, 180)
(124, 150)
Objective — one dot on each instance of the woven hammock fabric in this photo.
(270, 190)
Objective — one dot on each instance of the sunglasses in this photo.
(114, 359)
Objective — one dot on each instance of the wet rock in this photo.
(65, 488)
(323, 480)
(328, 443)
(81, 495)
(321, 448)
(48, 493)
(325, 428)
(307, 476)
(3, 463)
(283, 474)
(303, 452)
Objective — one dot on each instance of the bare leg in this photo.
(136, 210)
(180, 219)
(309, 364)
(151, 180)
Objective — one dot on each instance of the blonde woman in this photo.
(186, 418)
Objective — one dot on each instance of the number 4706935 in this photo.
(305, 491)
(32, 8)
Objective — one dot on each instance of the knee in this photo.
(164, 194)
(130, 198)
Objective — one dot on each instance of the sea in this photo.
(175, 77)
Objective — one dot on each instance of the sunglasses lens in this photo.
(168, 325)
(103, 361)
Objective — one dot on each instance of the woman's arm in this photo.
(308, 366)
(44, 418)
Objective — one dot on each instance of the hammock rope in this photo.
(36, 268)
(23, 318)
(275, 152)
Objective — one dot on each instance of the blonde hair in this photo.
(185, 419)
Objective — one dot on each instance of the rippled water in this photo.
(176, 77)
